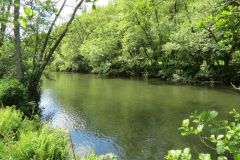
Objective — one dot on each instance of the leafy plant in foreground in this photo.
(21, 139)
(221, 136)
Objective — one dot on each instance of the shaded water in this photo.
(135, 119)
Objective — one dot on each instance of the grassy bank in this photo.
(22, 138)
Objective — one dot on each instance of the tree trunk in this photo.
(227, 70)
(46, 55)
(3, 25)
(33, 88)
(18, 54)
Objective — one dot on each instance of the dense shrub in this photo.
(12, 92)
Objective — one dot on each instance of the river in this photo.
(135, 119)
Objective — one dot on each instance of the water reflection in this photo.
(131, 118)
(84, 141)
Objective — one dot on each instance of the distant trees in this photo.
(173, 40)
(176, 40)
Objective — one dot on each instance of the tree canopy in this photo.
(176, 40)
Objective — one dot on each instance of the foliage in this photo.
(7, 66)
(21, 138)
(221, 136)
(174, 40)
(12, 92)
(93, 156)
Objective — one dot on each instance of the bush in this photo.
(12, 92)
(21, 138)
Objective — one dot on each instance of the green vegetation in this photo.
(93, 156)
(221, 136)
(186, 41)
(175, 40)
(25, 53)
(21, 138)
(12, 92)
(178, 40)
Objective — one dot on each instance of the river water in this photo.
(133, 118)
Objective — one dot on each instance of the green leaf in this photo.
(173, 154)
(222, 158)
(16, 3)
(186, 154)
(204, 156)
(200, 128)
(212, 115)
(220, 137)
(220, 147)
(27, 11)
(185, 123)
(237, 156)
(94, 7)
(24, 23)
(212, 138)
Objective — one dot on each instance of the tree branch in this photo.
(50, 31)
(51, 52)
(202, 139)
(211, 33)
(234, 86)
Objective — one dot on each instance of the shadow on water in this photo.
(135, 119)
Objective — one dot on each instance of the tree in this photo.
(34, 23)
(222, 25)
(4, 17)
(18, 54)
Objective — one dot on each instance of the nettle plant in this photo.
(221, 136)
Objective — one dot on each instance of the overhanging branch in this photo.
(50, 30)
(56, 44)
(235, 87)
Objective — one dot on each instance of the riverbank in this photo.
(23, 134)
(22, 138)
(176, 80)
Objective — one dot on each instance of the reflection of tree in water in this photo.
(141, 119)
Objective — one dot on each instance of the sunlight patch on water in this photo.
(53, 113)
(84, 141)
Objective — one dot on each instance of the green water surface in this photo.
(135, 119)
